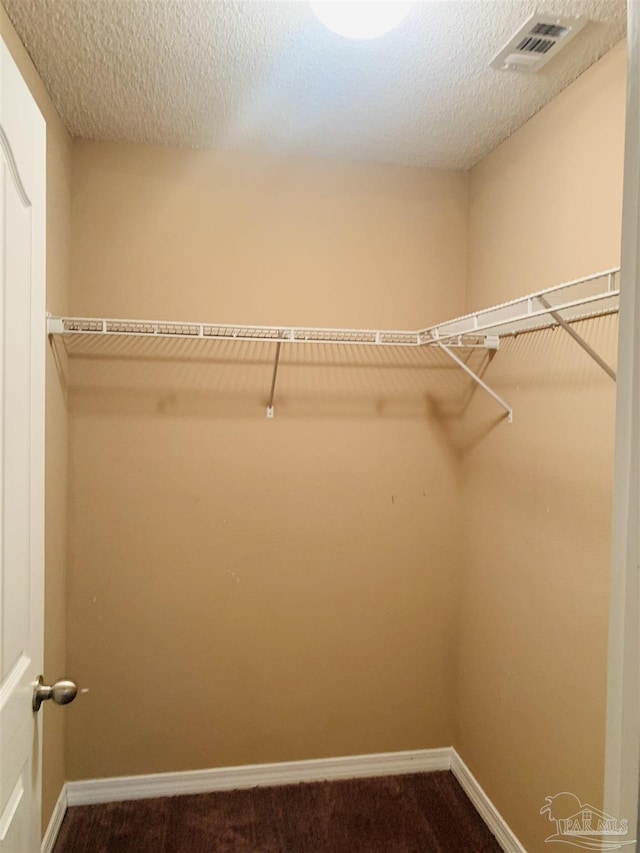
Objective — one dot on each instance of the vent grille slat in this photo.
(535, 45)
(553, 30)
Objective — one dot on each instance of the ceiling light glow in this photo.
(360, 19)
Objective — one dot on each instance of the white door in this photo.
(22, 341)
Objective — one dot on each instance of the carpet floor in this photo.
(417, 813)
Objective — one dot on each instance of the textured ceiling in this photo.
(267, 76)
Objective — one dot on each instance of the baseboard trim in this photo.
(121, 788)
(505, 837)
(55, 822)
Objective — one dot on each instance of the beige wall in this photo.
(245, 590)
(58, 234)
(544, 207)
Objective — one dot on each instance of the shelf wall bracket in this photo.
(578, 339)
(273, 380)
(477, 379)
(55, 325)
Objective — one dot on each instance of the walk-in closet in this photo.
(331, 336)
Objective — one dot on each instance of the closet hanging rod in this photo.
(591, 296)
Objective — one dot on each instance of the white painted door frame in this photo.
(623, 688)
(22, 392)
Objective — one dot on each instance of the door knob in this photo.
(62, 692)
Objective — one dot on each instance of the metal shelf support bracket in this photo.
(578, 338)
(273, 380)
(477, 379)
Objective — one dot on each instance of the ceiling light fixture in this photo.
(360, 19)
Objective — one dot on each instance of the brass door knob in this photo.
(62, 692)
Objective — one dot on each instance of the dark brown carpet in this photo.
(420, 813)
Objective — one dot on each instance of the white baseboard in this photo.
(121, 788)
(505, 837)
(55, 822)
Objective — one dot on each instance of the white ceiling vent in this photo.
(536, 43)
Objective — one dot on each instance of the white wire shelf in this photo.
(591, 296)
(224, 332)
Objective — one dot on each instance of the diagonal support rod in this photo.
(477, 379)
(273, 380)
(578, 339)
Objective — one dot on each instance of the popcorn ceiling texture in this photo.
(268, 77)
